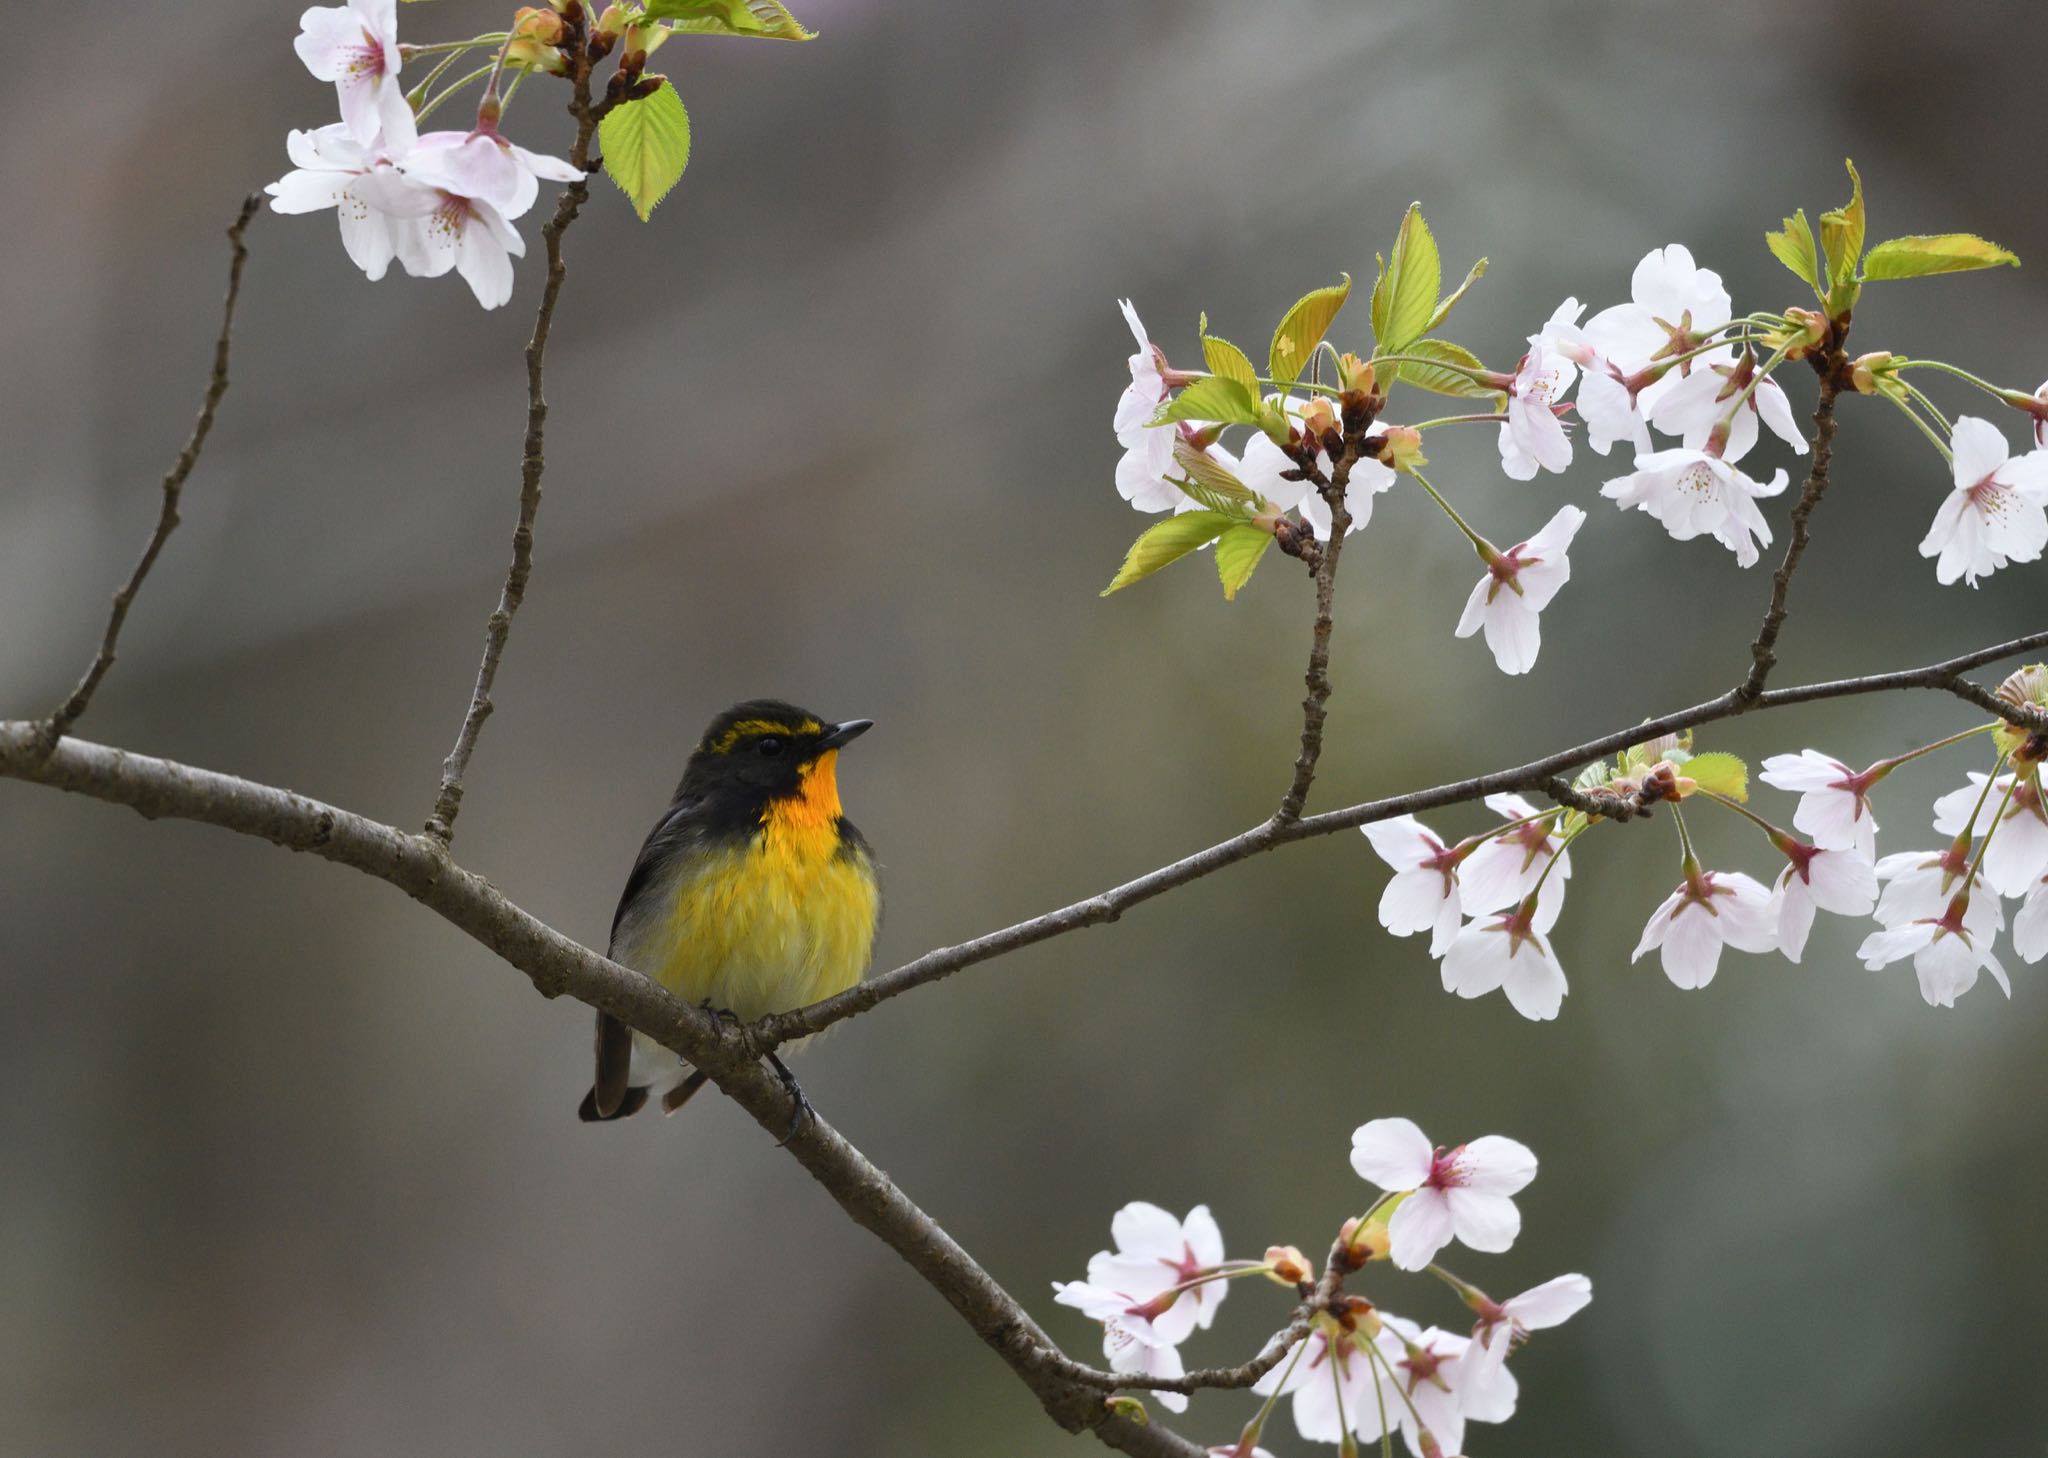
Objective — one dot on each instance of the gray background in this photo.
(292, 1168)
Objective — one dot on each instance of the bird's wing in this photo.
(611, 1089)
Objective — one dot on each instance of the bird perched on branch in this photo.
(753, 895)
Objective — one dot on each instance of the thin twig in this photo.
(73, 708)
(1763, 656)
(1535, 775)
(532, 465)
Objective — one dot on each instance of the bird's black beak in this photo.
(843, 734)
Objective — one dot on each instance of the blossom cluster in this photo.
(1359, 1374)
(435, 201)
(1488, 902)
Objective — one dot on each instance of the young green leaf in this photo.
(1443, 309)
(1212, 399)
(1792, 245)
(1405, 298)
(1237, 553)
(1841, 235)
(646, 146)
(763, 19)
(1923, 254)
(1448, 377)
(1210, 483)
(1719, 773)
(1167, 542)
(1227, 360)
(1303, 328)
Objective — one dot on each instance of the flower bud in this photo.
(1354, 373)
(1808, 331)
(1356, 1314)
(1317, 418)
(1289, 1265)
(1401, 448)
(1365, 1240)
(1875, 374)
(545, 26)
(612, 23)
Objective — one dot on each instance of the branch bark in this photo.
(73, 708)
(533, 459)
(1763, 656)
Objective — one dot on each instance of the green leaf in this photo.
(1230, 362)
(1166, 543)
(763, 19)
(646, 146)
(1719, 773)
(1841, 235)
(1211, 484)
(1443, 310)
(1404, 300)
(1302, 329)
(1792, 245)
(1440, 380)
(1237, 553)
(1927, 253)
(1212, 399)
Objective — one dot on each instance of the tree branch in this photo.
(1535, 775)
(1763, 656)
(73, 708)
(533, 461)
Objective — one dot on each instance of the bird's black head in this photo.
(766, 749)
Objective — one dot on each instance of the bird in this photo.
(753, 894)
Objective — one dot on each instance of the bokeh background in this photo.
(289, 1167)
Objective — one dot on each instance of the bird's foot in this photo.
(799, 1104)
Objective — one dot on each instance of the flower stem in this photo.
(1774, 832)
(1983, 845)
(1925, 429)
(1886, 766)
(1690, 861)
(418, 94)
(490, 38)
(1493, 419)
(1996, 391)
(454, 86)
(1486, 550)
(1921, 398)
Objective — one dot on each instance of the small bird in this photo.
(754, 894)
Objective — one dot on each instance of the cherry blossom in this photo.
(1947, 950)
(482, 164)
(1918, 884)
(1504, 1324)
(1460, 1193)
(375, 202)
(1509, 866)
(1841, 881)
(2018, 854)
(1505, 950)
(1423, 894)
(1264, 464)
(1336, 1386)
(1694, 407)
(2030, 925)
(1137, 1283)
(1140, 399)
(1519, 583)
(1674, 305)
(1998, 512)
(356, 47)
(1448, 1381)
(1834, 804)
(1709, 909)
(1695, 493)
(1532, 436)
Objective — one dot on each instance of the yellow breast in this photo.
(778, 921)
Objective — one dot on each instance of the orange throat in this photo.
(808, 821)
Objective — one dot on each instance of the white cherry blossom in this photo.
(1508, 867)
(1423, 894)
(1264, 462)
(1504, 950)
(1673, 305)
(1461, 1193)
(375, 202)
(2030, 925)
(1129, 1353)
(482, 164)
(1918, 884)
(1519, 583)
(1135, 1284)
(2018, 854)
(1695, 494)
(1947, 950)
(1532, 436)
(1834, 800)
(1693, 406)
(1841, 881)
(1998, 512)
(1140, 399)
(1709, 910)
(356, 47)
(1448, 1381)
(1504, 1324)
(1336, 1387)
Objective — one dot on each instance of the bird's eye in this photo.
(768, 746)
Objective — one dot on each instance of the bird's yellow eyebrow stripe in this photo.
(746, 728)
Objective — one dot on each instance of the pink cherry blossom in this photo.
(356, 47)
(1460, 1193)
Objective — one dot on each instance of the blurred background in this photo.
(290, 1167)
